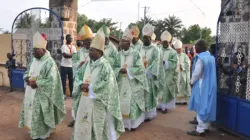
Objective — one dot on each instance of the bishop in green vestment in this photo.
(98, 114)
(151, 59)
(43, 107)
(183, 70)
(110, 51)
(132, 83)
(136, 42)
(82, 56)
(168, 61)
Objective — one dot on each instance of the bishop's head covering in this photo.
(105, 30)
(153, 37)
(148, 30)
(99, 41)
(166, 36)
(85, 33)
(174, 39)
(39, 41)
(177, 44)
(135, 31)
(127, 35)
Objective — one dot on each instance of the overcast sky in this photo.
(126, 11)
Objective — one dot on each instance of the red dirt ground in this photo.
(171, 126)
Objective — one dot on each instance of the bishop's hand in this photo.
(33, 84)
(123, 71)
(82, 63)
(85, 87)
(27, 80)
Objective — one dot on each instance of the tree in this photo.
(192, 34)
(24, 21)
(96, 25)
(159, 28)
(147, 20)
(6, 32)
(108, 22)
(174, 25)
(81, 20)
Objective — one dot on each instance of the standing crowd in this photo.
(116, 89)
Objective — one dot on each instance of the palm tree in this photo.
(147, 20)
(81, 20)
(24, 21)
(6, 32)
(108, 22)
(159, 28)
(173, 25)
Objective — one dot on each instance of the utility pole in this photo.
(145, 13)
(120, 30)
(138, 16)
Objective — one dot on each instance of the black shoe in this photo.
(165, 111)
(11, 90)
(195, 133)
(195, 122)
(71, 124)
(147, 120)
(133, 129)
(184, 103)
(159, 109)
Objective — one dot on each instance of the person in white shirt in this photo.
(66, 64)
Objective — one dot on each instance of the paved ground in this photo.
(172, 126)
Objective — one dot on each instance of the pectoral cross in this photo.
(145, 62)
(87, 81)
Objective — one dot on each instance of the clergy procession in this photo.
(117, 89)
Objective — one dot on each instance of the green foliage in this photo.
(96, 25)
(24, 21)
(81, 20)
(192, 34)
(173, 24)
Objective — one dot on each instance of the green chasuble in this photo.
(151, 60)
(131, 85)
(110, 53)
(77, 58)
(43, 108)
(138, 45)
(170, 57)
(184, 88)
(98, 115)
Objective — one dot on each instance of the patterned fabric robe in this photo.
(77, 58)
(183, 88)
(105, 103)
(43, 108)
(151, 60)
(131, 60)
(110, 53)
(169, 55)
